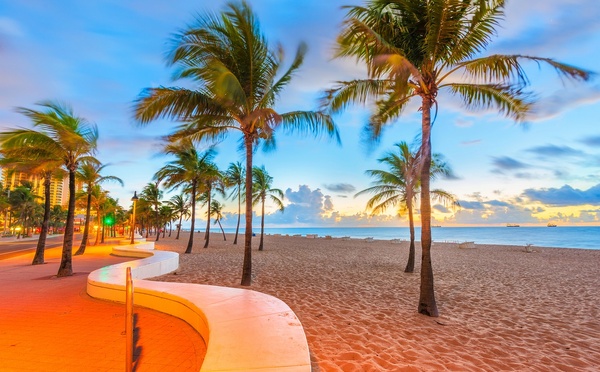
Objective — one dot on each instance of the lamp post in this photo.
(134, 199)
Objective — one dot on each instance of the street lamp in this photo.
(134, 199)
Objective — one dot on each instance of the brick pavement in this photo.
(51, 324)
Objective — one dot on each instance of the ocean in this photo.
(587, 237)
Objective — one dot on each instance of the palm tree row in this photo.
(238, 80)
(59, 143)
(412, 49)
(196, 175)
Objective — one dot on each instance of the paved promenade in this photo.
(51, 324)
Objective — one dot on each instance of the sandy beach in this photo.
(501, 308)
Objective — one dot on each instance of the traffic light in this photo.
(109, 220)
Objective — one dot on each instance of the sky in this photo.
(98, 56)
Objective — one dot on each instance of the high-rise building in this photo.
(58, 187)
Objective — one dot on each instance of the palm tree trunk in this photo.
(207, 235)
(157, 222)
(98, 221)
(237, 228)
(41, 245)
(410, 265)
(191, 240)
(222, 231)
(262, 225)
(179, 227)
(427, 303)
(66, 265)
(247, 266)
(86, 227)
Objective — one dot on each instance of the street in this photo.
(9, 247)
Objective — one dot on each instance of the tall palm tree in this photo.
(217, 211)
(238, 82)
(419, 49)
(399, 186)
(89, 174)
(234, 178)
(69, 138)
(185, 171)
(180, 204)
(212, 180)
(153, 195)
(262, 188)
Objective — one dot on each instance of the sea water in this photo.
(562, 237)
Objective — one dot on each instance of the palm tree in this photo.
(153, 196)
(23, 202)
(89, 174)
(262, 189)
(418, 49)
(186, 170)
(234, 178)
(58, 217)
(238, 83)
(66, 136)
(167, 215)
(180, 204)
(399, 186)
(41, 163)
(212, 180)
(217, 211)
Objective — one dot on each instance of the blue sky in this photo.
(98, 56)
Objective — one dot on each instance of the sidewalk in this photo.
(51, 324)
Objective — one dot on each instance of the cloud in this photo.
(441, 208)
(305, 207)
(593, 141)
(564, 99)
(471, 143)
(555, 151)
(565, 196)
(565, 25)
(474, 205)
(340, 187)
(506, 163)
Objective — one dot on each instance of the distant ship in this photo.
(550, 224)
(512, 225)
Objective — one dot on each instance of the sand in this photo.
(501, 308)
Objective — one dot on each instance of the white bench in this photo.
(243, 329)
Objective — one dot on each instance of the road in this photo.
(12, 247)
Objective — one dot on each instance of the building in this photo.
(59, 189)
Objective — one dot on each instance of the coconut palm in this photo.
(216, 210)
(185, 171)
(419, 49)
(234, 178)
(180, 204)
(69, 138)
(262, 188)
(89, 174)
(238, 82)
(153, 195)
(398, 186)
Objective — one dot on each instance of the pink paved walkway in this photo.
(51, 324)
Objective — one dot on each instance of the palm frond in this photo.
(316, 123)
(510, 101)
